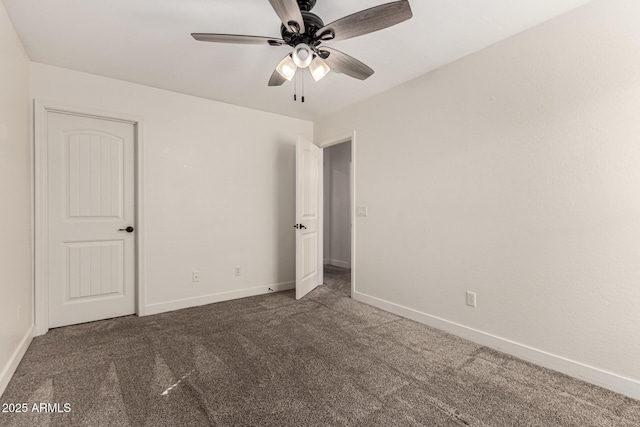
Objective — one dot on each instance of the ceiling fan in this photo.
(307, 34)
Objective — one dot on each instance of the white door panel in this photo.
(308, 204)
(90, 175)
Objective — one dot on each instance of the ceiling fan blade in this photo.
(343, 63)
(237, 39)
(366, 21)
(276, 79)
(289, 13)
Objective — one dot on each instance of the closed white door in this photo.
(308, 206)
(91, 254)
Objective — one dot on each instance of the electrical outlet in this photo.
(471, 299)
(195, 276)
(237, 270)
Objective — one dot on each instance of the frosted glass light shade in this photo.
(302, 55)
(318, 68)
(287, 68)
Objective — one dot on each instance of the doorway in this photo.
(338, 216)
(86, 216)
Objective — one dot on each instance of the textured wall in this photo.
(16, 287)
(513, 172)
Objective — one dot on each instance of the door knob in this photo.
(129, 229)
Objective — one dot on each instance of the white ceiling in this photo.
(149, 42)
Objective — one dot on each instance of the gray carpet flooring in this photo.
(273, 361)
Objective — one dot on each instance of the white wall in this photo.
(16, 288)
(515, 173)
(337, 205)
(218, 187)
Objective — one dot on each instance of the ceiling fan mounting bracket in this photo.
(306, 5)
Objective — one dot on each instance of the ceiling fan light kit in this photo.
(302, 55)
(306, 33)
(318, 68)
(287, 68)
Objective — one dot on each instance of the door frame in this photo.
(346, 137)
(41, 194)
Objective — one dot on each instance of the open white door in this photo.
(308, 206)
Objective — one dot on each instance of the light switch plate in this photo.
(362, 210)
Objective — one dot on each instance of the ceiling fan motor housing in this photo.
(312, 23)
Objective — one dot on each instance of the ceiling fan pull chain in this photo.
(295, 86)
(302, 77)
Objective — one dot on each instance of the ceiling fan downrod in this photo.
(306, 5)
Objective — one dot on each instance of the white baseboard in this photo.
(10, 368)
(163, 307)
(338, 263)
(623, 385)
